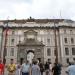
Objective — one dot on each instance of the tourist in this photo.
(71, 68)
(56, 69)
(11, 68)
(25, 68)
(50, 67)
(41, 67)
(47, 68)
(18, 69)
(35, 70)
(1, 68)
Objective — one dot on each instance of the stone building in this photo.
(37, 36)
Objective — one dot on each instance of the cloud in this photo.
(22, 9)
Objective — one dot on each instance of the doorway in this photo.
(21, 60)
(39, 59)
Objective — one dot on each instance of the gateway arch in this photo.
(30, 46)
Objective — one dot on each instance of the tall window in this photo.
(12, 52)
(65, 40)
(72, 40)
(73, 51)
(66, 51)
(48, 51)
(12, 41)
(48, 41)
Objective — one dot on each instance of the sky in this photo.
(38, 9)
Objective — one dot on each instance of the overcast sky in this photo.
(23, 9)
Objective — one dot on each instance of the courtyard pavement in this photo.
(63, 71)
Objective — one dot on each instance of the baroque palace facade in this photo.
(36, 37)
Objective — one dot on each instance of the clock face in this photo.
(30, 36)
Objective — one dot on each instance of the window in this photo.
(73, 51)
(48, 41)
(12, 52)
(66, 51)
(72, 40)
(67, 60)
(65, 40)
(48, 51)
(12, 41)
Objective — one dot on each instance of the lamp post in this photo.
(56, 50)
(5, 43)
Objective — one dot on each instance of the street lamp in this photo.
(56, 50)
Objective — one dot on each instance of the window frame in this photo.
(66, 51)
(66, 40)
(73, 51)
(72, 40)
(48, 51)
(12, 52)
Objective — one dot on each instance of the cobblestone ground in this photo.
(63, 71)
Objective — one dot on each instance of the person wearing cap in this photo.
(71, 68)
(1, 68)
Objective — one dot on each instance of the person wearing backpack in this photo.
(11, 68)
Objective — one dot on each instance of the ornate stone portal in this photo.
(30, 44)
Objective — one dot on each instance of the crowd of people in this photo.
(35, 68)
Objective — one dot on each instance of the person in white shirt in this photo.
(71, 68)
(25, 68)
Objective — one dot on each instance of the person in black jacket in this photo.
(41, 67)
(56, 69)
(47, 68)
